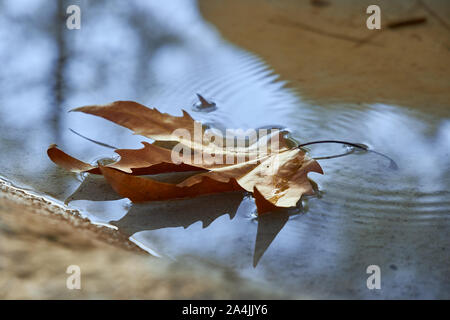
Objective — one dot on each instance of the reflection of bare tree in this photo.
(46, 67)
(151, 36)
(59, 68)
(46, 22)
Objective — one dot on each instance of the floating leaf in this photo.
(275, 173)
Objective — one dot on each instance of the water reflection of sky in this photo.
(161, 56)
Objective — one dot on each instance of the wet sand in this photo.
(328, 54)
(39, 240)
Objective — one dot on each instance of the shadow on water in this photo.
(180, 213)
(186, 212)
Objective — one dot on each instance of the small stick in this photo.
(319, 3)
(392, 163)
(92, 140)
(336, 155)
(406, 22)
(394, 25)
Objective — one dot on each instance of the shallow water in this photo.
(365, 214)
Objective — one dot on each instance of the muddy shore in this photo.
(40, 239)
(329, 56)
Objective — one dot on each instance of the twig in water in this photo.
(392, 163)
(406, 22)
(393, 25)
(94, 141)
(305, 27)
(319, 3)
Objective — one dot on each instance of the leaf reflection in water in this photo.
(182, 212)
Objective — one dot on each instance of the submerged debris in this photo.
(204, 105)
(406, 22)
(319, 3)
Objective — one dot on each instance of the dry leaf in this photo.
(262, 205)
(281, 178)
(140, 189)
(67, 162)
(277, 176)
(153, 124)
(149, 160)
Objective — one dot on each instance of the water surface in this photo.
(161, 56)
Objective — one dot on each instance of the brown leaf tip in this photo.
(262, 204)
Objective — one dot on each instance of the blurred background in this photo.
(311, 67)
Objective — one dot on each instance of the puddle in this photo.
(366, 213)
